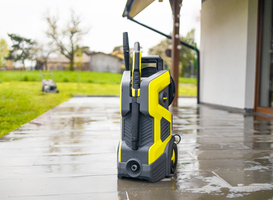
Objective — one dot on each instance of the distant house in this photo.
(101, 62)
(118, 52)
(10, 65)
(62, 63)
(94, 61)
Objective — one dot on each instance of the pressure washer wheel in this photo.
(174, 158)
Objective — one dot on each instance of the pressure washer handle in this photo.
(136, 73)
(126, 50)
(153, 59)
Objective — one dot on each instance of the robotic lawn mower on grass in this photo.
(147, 149)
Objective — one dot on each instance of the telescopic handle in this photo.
(136, 66)
(126, 50)
(136, 73)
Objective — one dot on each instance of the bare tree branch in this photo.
(72, 32)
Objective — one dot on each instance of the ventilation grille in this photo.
(127, 131)
(159, 172)
(165, 129)
(146, 130)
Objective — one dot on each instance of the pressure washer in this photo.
(147, 149)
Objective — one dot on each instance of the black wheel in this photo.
(174, 158)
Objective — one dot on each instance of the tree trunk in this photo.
(45, 67)
(71, 64)
(23, 62)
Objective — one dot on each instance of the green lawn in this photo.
(184, 80)
(21, 99)
(21, 102)
(62, 76)
(72, 76)
(187, 90)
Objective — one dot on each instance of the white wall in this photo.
(105, 63)
(227, 52)
(251, 53)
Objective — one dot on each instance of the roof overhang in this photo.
(133, 7)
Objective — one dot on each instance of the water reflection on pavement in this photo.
(70, 152)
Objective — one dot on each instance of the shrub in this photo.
(25, 78)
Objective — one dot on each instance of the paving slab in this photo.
(70, 152)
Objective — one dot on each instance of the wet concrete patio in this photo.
(70, 153)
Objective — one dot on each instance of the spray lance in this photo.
(136, 74)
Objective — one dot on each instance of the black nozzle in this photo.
(126, 51)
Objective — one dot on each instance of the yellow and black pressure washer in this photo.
(147, 148)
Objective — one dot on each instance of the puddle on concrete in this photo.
(222, 154)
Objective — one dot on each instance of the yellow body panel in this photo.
(173, 157)
(134, 92)
(157, 112)
(119, 152)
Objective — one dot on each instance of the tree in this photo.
(67, 40)
(21, 49)
(4, 51)
(186, 55)
(42, 52)
(160, 50)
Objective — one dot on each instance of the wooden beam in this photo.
(175, 6)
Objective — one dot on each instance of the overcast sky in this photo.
(103, 17)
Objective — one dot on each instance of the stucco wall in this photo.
(105, 63)
(228, 44)
(251, 53)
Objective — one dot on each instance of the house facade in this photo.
(62, 63)
(236, 54)
(95, 61)
(101, 62)
(228, 52)
(236, 50)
